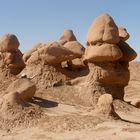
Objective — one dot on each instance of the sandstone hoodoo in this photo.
(44, 62)
(10, 55)
(108, 58)
(64, 88)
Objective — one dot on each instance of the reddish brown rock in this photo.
(52, 54)
(24, 87)
(28, 53)
(10, 56)
(75, 47)
(9, 43)
(102, 52)
(128, 53)
(103, 29)
(123, 34)
(67, 36)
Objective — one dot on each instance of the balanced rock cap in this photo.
(75, 47)
(9, 43)
(103, 29)
(128, 53)
(52, 54)
(104, 52)
(67, 36)
(123, 34)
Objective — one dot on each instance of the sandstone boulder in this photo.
(13, 98)
(104, 105)
(52, 54)
(67, 36)
(123, 34)
(103, 29)
(128, 53)
(28, 53)
(75, 47)
(18, 61)
(76, 64)
(9, 43)
(24, 87)
(126, 111)
(104, 52)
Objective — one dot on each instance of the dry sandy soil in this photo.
(69, 122)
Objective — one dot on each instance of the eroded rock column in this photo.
(107, 55)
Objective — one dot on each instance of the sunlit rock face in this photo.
(108, 57)
(10, 55)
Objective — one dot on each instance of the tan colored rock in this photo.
(103, 29)
(12, 98)
(76, 63)
(104, 52)
(28, 53)
(67, 36)
(104, 104)
(123, 34)
(126, 111)
(18, 61)
(52, 54)
(75, 47)
(128, 53)
(7, 57)
(24, 87)
(9, 43)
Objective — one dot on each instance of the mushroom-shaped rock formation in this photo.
(67, 36)
(103, 29)
(72, 44)
(44, 64)
(10, 56)
(108, 62)
(123, 34)
(25, 88)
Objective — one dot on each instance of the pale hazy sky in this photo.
(34, 21)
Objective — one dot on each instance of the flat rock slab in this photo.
(126, 111)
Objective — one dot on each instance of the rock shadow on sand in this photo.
(44, 103)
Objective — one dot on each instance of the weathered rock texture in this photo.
(25, 88)
(107, 56)
(45, 62)
(67, 36)
(83, 74)
(10, 56)
(103, 29)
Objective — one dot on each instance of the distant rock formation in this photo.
(67, 36)
(10, 56)
(52, 63)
